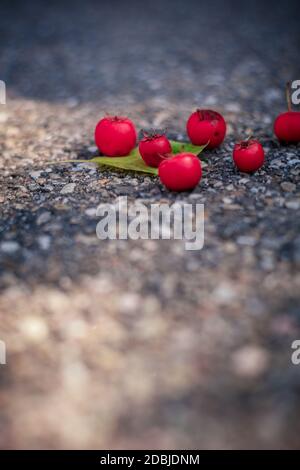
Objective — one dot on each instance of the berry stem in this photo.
(246, 139)
(246, 142)
(165, 156)
(145, 133)
(288, 96)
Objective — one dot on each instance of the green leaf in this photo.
(178, 147)
(133, 162)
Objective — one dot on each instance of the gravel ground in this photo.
(141, 344)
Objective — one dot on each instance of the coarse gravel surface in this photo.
(140, 343)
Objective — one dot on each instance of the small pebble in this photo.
(250, 361)
(244, 240)
(294, 205)
(34, 328)
(68, 188)
(43, 218)
(9, 247)
(44, 242)
(91, 212)
(35, 174)
(288, 187)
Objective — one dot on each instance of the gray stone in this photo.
(9, 247)
(35, 174)
(44, 242)
(68, 188)
(288, 187)
(294, 204)
(246, 240)
(43, 218)
(91, 212)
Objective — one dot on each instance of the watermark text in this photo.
(2, 92)
(2, 353)
(295, 96)
(179, 221)
(295, 358)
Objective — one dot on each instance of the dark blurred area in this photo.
(105, 50)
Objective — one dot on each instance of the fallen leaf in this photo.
(134, 162)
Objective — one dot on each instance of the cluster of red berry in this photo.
(116, 136)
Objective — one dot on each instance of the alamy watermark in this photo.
(179, 221)
(2, 92)
(295, 358)
(295, 95)
(2, 353)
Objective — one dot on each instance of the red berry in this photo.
(205, 126)
(153, 147)
(248, 155)
(115, 136)
(287, 127)
(181, 172)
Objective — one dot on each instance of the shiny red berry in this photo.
(115, 136)
(248, 155)
(287, 127)
(206, 126)
(153, 147)
(181, 172)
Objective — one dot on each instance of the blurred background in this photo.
(141, 344)
(174, 51)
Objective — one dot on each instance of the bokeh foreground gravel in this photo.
(141, 344)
